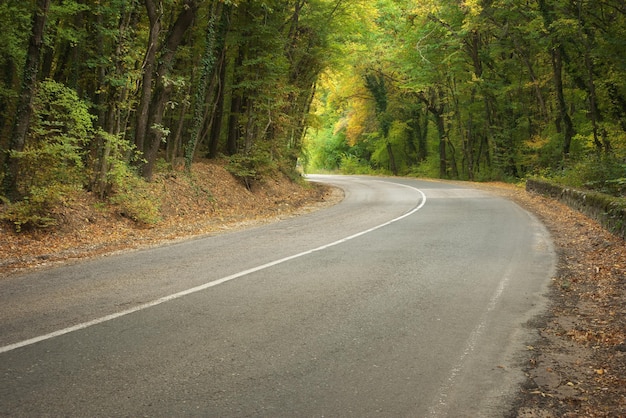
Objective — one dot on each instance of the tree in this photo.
(208, 61)
(16, 21)
(156, 83)
(24, 107)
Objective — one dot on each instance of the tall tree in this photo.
(207, 69)
(558, 55)
(156, 84)
(24, 107)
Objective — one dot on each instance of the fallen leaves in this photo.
(583, 335)
(209, 201)
(586, 324)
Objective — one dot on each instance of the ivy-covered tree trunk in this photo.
(208, 61)
(217, 112)
(24, 107)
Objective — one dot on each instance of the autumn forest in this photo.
(99, 95)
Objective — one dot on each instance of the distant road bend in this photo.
(408, 299)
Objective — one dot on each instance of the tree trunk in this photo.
(156, 130)
(218, 111)
(594, 113)
(392, 159)
(10, 74)
(112, 104)
(174, 146)
(436, 108)
(149, 63)
(236, 107)
(419, 127)
(153, 128)
(443, 160)
(208, 68)
(556, 54)
(234, 130)
(557, 65)
(24, 107)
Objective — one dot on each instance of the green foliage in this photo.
(116, 179)
(243, 167)
(604, 174)
(326, 150)
(36, 209)
(485, 72)
(54, 153)
(135, 197)
(112, 166)
(51, 165)
(60, 115)
(351, 164)
(380, 155)
(426, 169)
(253, 166)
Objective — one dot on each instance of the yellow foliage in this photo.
(536, 142)
(423, 8)
(357, 120)
(472, 7)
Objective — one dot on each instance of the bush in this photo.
(251, 167)
(605, 174)
(111, 165)
(426, 169)
(52, 163)
(351, 164)
(36, 209)
(61, 126)
(135, 198)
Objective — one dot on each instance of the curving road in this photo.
(407, 299)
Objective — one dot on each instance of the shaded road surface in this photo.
(408, 299)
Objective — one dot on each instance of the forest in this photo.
(99, 95)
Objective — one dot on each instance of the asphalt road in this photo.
(407, 299)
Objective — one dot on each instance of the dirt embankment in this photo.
(578, 366)
(207, 202)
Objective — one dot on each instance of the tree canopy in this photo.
(496, 89)
(93, 93)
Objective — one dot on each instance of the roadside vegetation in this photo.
(477, 90)
(98, 97)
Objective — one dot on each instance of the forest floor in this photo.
(577, 366)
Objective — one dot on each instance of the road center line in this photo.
(208, 285)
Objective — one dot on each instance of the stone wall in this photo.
(609, 211)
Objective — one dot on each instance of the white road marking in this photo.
(208, 285)
(440, 407)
